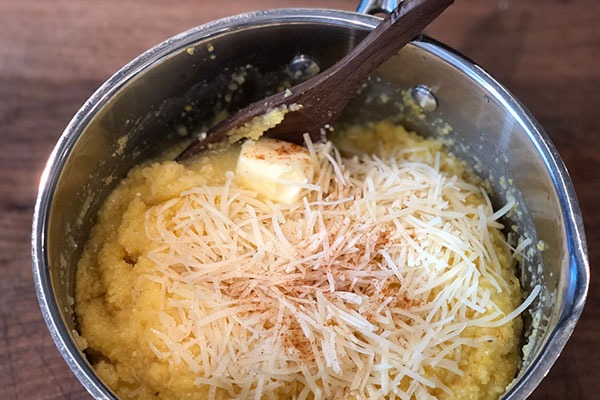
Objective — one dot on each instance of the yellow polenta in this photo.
(144, 316)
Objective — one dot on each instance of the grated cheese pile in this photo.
(364, 288)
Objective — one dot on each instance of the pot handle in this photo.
(377, 6)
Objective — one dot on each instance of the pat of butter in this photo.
(275, 169)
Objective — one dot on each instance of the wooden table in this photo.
(54, 54)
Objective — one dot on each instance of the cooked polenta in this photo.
(368, 266)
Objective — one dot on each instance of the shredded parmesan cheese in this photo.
(361, 288)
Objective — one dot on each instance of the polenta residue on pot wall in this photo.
(374, 267)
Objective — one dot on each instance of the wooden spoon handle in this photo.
(405, 23)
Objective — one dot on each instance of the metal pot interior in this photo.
(176, 89)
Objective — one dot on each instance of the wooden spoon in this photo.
(324, 96)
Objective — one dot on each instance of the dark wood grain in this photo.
(53, 54)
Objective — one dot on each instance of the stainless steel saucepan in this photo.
(169, 93)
